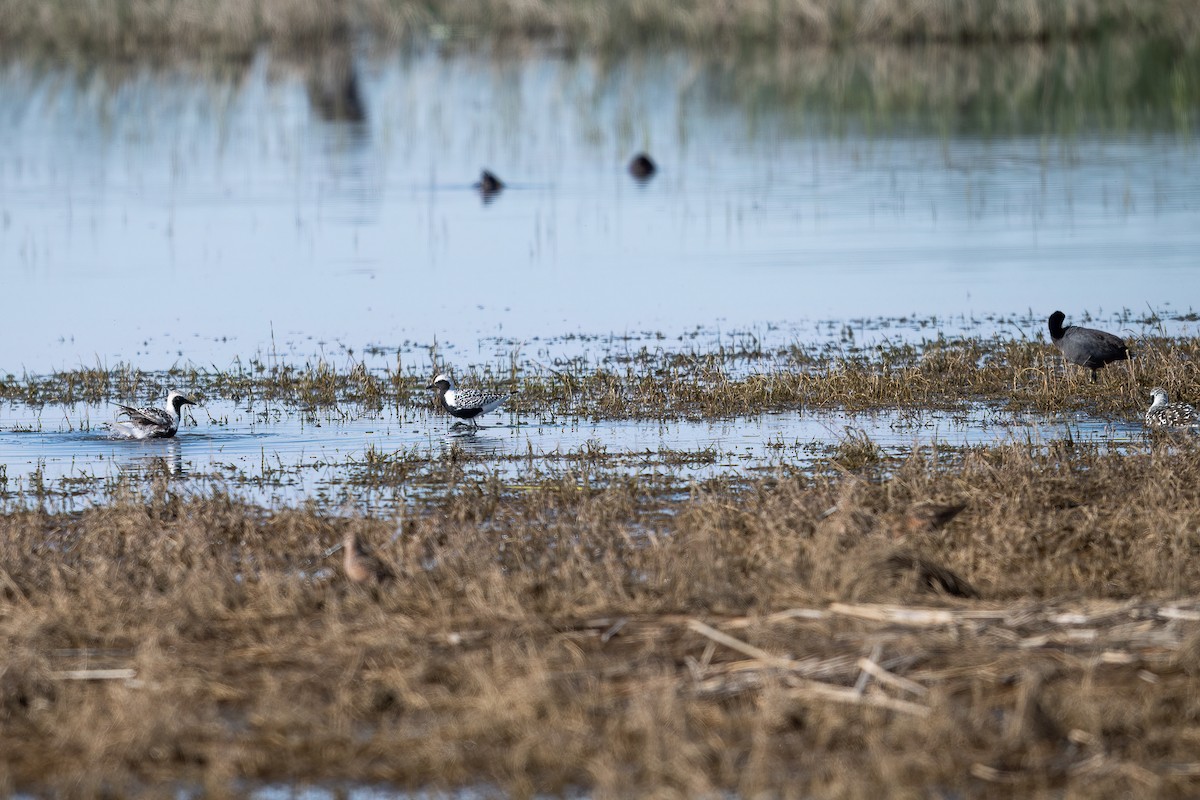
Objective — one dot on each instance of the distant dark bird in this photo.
(360, 565)
(1086, 347)
(465, 403)
(488, 185)
(151, 423)
(642, 167)
(1169, 415)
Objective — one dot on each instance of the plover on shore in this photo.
(465, 403)
(1086, 347)
(1163, 414)
(151, 423)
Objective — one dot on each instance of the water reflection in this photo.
(481, 441)
(333, 86)
(150, 457)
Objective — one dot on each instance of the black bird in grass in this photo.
(1086, 347)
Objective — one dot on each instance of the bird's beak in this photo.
(430, 386)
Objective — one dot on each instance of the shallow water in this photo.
(193, 214)
(378, 460)
(210, 214)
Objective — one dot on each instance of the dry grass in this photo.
(236, 27)
(565, 638)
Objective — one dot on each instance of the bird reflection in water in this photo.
(155, 457)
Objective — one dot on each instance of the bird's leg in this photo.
(1093, 376)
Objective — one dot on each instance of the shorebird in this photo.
(465, 403)
(1086, 347)
(151, 423)
(1162, 414)
(360, 565)
(642, 167)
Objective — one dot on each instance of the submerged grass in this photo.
(236, 27)
(942, 373)
(758, 638)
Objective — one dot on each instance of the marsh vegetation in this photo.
(747, 637)
(232, 28)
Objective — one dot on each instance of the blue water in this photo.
(183, 215)
(286, 457)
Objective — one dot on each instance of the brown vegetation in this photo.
(564, 637)
(944, 373)
(236, 27)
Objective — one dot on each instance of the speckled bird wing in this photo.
(473, 398)
(146, 416)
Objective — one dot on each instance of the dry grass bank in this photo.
(235, 27)
(557, 637)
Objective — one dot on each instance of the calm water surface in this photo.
(193, 214)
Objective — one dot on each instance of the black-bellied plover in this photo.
(151, 423)
(1086, 347)
(465, 403)
(642, 167)
(1163, 414)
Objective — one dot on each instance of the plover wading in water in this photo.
(151, 423)
(465, 403)
(1163, 414)
(1086, 347)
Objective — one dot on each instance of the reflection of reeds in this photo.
(130, 27)
(1113, 86)
(566, 637)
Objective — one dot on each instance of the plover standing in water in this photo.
(1086, 347)
(465, 403)
(1169, 415)
(151, 423)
